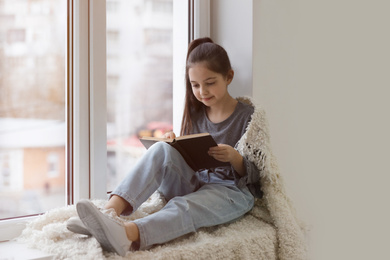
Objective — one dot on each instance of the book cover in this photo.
(194, 149)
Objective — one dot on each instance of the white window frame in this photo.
(196, 17)
(11, 228)
(180, 42)
(89, 122)
(86, 91)
(85, 113)
(201, 18)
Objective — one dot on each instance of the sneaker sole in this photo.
(78, 230)
(91, 217)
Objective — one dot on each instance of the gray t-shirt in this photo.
(229, 132)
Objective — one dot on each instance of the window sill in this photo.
(17, 251)
(10, 249)
(12, 228)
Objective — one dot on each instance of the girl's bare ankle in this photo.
(132, 231)
(117, 203)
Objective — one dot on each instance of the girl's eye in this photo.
(210, 83)
(195, 85)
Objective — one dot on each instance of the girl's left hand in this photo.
(223, 153)
(226, 153)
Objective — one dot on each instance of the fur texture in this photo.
(255, 145)
(248, 238)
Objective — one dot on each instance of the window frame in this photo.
(196, 13)
(13, 227)
(89, 100)
(86, 150)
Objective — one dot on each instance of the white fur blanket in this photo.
(256, 146)
(247, 238)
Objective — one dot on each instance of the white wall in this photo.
(321, 70)
(232, 34)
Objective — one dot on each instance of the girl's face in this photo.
(209, 87)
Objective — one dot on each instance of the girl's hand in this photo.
(169, 135)
(223, 152)
(226, 153)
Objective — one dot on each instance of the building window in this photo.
(16, 35)
(112, 6)
(162, 6)
(5, 171)
(112, 36)
(53, 165)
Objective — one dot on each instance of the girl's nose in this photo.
(203, 90)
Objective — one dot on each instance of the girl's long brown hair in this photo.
(216, 59)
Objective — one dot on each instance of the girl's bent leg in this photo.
(211, 205)
(162, 168)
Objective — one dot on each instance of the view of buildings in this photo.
(139, 78)
(32, 94)
(32, 106)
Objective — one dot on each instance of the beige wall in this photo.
(321, 70)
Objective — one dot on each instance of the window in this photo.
(16, 35)
(139, 79)
(32, 106)
(61, 149)
(53, 166)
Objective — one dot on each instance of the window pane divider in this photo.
(89, 125)
(98, 100)
(181, 36)
(81, 158)
(69, 106)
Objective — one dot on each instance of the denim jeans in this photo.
(195, 199)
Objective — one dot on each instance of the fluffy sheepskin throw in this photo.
(247, 238)
(269, 231)
(255, 145)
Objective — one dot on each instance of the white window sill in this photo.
(12, 228)
(10, 249)
(17, 251)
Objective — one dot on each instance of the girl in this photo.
(204, 198)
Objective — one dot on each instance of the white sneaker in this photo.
(107, 228)
(75, 225)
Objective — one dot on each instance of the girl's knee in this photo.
(160, 146)
(162, 150)
(159, 149)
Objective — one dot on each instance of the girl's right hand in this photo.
(169, 135)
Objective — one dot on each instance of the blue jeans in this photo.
(195, 199)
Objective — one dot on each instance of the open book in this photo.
(194, 149)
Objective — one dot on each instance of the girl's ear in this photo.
(230, 76)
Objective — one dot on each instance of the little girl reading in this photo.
(207, 197)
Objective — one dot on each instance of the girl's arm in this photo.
(226, 153)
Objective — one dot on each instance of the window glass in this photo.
(139, 79)
(32, 106)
